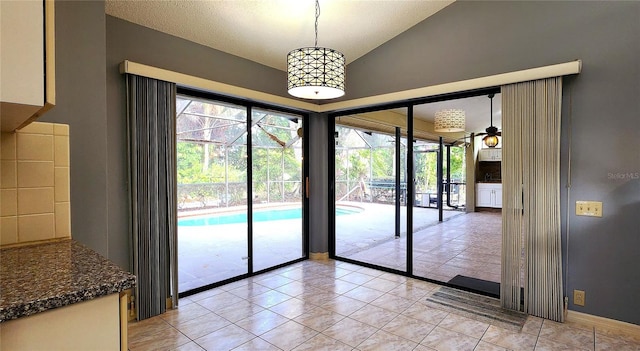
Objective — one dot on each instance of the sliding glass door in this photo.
(371, 191)
(240, 199)
(212, 187)
(276, 140)
(401, 192)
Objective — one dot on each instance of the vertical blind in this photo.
(152, 165)
(532, 254)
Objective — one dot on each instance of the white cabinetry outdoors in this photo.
(490, 155)
(27, 63)
(489, 195)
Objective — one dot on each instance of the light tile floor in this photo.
(332, 305)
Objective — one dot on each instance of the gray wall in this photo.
(318, 183)
(601, 114)
(465, 40)
(81, 103)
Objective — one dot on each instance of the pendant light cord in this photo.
(317, 16)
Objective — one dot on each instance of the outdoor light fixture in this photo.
(315, 72)
(449, 121)
(490, 140)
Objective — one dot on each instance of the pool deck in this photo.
(464, 244)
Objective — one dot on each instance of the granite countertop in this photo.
(41, 277)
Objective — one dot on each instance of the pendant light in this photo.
(449, 121)
(315, 72)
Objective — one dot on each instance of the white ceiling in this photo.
(477, 111)
(264, 31)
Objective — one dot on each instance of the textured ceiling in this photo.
(265, 31)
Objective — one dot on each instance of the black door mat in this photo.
(476, 285)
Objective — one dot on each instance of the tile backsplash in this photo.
(34, 184)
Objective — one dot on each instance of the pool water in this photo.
(258, 216)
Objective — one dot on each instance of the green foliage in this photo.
(457, 164)
(189, 159)
(378, 162)
(193, 168)
(382, 163)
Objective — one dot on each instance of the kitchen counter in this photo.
(37, 278)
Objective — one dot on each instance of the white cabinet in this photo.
(490, 155)
(489, 195)
(27, 62)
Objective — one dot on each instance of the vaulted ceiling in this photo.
(265, 31)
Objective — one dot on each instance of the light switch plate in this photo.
(589, 208)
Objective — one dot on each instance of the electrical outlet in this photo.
(578, 297)
(589, 208)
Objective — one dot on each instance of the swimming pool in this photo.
(265, 215)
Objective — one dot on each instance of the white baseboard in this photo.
(604, 323)
(319, 256)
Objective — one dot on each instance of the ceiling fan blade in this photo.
(499, 133)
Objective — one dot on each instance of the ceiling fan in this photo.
(491, 133)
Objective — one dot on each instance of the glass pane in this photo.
(277, 188)
(365, 191)
(464, 249)
(212, 192)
